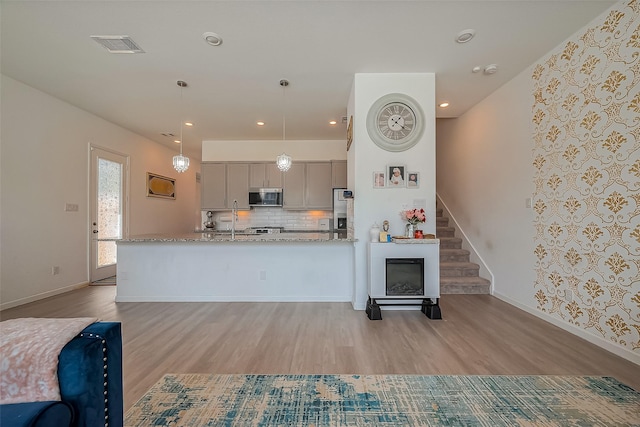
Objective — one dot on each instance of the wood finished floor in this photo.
(479, 335)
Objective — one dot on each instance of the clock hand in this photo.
(395, 122)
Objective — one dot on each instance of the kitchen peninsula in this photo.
(216, 267)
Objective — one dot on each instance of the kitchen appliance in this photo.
(339, 212)
(209, 223)
(263, 230)
(265, 197)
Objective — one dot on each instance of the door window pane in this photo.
(109, 209)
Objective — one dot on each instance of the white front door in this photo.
(108, 194)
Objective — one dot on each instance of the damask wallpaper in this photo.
(586, 158)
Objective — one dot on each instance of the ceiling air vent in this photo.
(118, 44)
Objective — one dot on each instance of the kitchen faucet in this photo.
(234, 218)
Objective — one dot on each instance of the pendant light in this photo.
(283, 161)
(180, 162)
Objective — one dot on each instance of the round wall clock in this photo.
(395, 122)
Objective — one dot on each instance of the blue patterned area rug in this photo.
(385, 400)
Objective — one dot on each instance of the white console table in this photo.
(378, 253)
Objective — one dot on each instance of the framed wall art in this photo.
(160, 186)
(379, 179)
(413, 179)
(395, 177)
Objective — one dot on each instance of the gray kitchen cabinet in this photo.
(293, 187)
(339, 173)
(238, 185)
(308, 186)
(213, 185)
(319, 189)
(265, 175)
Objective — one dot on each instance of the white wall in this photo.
(44, 164)
(374, 205)
(484, 177)
(565, 133)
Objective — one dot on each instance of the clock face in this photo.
(395, 122)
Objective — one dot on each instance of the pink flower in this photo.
(414, 216)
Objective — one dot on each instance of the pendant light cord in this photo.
(284, 84)
(181, 118)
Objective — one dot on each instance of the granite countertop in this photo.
(224, 237)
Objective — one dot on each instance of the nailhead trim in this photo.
(104, 359)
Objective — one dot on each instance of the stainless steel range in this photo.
(263, 230)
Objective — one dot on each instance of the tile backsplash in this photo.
(269, 217)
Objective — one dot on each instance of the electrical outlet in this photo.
(71, 207)
(527, 202)
(55, 270)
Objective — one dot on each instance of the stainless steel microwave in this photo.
(265, 197)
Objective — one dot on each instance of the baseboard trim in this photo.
(241, 298)
(43, 295)
(600, 342)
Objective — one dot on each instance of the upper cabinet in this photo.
(339, 173)
(308, 186)
(319, 191)
(264, 175)
(213, 185)
(238, 185)
(222, 183)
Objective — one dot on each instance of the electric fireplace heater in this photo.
(404, 277)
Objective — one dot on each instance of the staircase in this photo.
(457, 274)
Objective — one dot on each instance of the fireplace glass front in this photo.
(404, 276)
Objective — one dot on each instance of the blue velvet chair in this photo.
(90, 377)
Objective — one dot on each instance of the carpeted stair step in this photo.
(450, 243)
(459, 269)
(445, 232)
(464, 285)
(438, 212)
(454, 255)
(442, 221)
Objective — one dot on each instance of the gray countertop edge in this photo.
(243, 239)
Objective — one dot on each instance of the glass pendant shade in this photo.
(180, 162)
(283, 161)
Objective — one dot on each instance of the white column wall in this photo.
(375, 205)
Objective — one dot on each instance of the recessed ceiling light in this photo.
(444, 105)
(465, 35)
(476, 69)
(491, 69)
(188, 124)
(260, 123)
(177, 141)
(212, 38)
(332, 122)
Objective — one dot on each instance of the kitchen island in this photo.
(216, 267)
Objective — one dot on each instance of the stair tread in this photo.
(458, 264)
(463, 280)
(453, 251)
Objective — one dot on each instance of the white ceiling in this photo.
(317, 45)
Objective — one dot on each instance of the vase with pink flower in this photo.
(413, 218)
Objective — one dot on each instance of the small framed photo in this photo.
(413, 179)
(378, 179)
(396, 176)
(160, 186)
